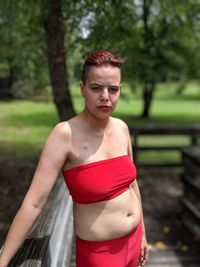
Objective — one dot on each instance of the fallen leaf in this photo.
(166, 229)
(184, 248)
(160, 244)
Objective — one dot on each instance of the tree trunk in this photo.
(148, 90)
(54, 33)
(6, 85)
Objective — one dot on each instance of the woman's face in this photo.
(101, 90)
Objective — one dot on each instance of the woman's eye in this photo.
(114, 89)
(95, 88)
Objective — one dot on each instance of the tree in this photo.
(26, 26)
(55, 33)
(165, 29)
(22, 47)
(159, 39)
(152, 34)
(7, 63)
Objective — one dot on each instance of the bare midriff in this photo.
(108, 219)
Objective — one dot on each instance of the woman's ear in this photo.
(82, 88)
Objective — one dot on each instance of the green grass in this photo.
(167, 107)
(24, 125)
(164, 156)
(159, 156)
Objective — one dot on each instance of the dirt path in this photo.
(15, 177)
(171, 243)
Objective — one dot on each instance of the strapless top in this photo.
(100, 180)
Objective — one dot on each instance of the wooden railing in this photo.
(50, 241)
(191, 131)
(191, 181)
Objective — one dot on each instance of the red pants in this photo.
(119, 252)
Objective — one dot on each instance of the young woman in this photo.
(93, 150)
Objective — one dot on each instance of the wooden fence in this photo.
(50, 241)
(192, 132)
(191, 181)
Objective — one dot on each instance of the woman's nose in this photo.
(105, 95)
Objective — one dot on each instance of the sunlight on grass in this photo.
(159, 157)
(25, 125)
(163, 140)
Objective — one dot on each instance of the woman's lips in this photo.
(104, 108)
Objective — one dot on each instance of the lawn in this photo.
(25, 124)
(167, 107)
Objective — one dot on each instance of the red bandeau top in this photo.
(100, 180)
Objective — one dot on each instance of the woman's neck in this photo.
(97, 125)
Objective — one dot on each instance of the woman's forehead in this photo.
(101, 73)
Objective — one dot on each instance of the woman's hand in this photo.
(1, 264)
(144, 254)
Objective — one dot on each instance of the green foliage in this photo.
(160, 40)
(22, 46)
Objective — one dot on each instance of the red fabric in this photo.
(119, 252)
(100, 180)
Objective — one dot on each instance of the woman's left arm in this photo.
(144, 255)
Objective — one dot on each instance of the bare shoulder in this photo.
(62, 129)
(121, 125)
(58, 143)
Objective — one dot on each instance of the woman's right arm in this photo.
(51, 161)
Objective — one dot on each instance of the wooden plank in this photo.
(192, 131)
(40, 247)
(193, 183)
(153, 129)
(191, 224)
(193, 154)
(192, 208)
(191, 168)
(158, 164)
(161, 148)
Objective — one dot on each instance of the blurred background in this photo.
(43, 46)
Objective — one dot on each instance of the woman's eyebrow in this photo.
(96, 84)
(110, 85)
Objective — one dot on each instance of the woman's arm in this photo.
(51, 161)
(144, 249)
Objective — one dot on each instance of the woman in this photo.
(93, 150)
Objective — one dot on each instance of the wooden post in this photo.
(194, 139)
(191, 181)
(135, 148)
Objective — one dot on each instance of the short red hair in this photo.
(99, 58)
